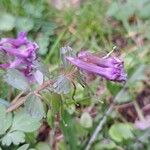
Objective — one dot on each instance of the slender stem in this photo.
(18, 101)
(114, 48)
(17, 97)
(99, 128)
(53, 49)
(138, 110)
(43, 86)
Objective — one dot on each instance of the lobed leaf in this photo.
(16, 79)
(62, 85)
(34, 107)
(120, 132)
(5, 120)
(23, 147)
(24, 122)
(42, 146)
(7, 22)
(15, 137)
(86, 120)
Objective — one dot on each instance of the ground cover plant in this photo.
(74, 75)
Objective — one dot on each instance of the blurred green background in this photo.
(96, 25)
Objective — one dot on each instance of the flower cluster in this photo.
(20, 53)
(109, 67)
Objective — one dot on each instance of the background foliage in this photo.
(69, 123)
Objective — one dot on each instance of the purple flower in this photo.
(110, 68)
(21, 54)
(143, 124)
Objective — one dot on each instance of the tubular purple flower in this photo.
(103, 62)
(110, 68)
(21, 53)
(20, 40)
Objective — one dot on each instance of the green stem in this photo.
(138, 110)
(52, 51)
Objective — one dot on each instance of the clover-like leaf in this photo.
(5, 120)
(7, 22)
(24, 122)
(138, 75)
(2, 117)
(86, 120)
(43, 146)
(35, 107)
(16, 79)
(106, 144)
(23, 147)
(43, 42)
(122, 96)
(120, 132)
(15, 137)
(24, 24)
(62, 85)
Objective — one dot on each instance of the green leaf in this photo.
(31, 138)
(55, 102)
(16, 79)
(122, 97)
(24, 24)
(2, 117)
(34, 107)
(5, 120)
(113, 9)
(7, 22)
(61, 145)
(105, 145)
(69, 130)
(126, 10)
(4, 102)
(23, 147)
(48, 27)
(42, 146)
(43, 42)
(15, 137)
(31, 9)
(50, 118)
(86, 120)
(71, 109)
(145, 13)
(62, 85)
(113, 87)
(138, 75)
(24, 122)
(120, 132)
